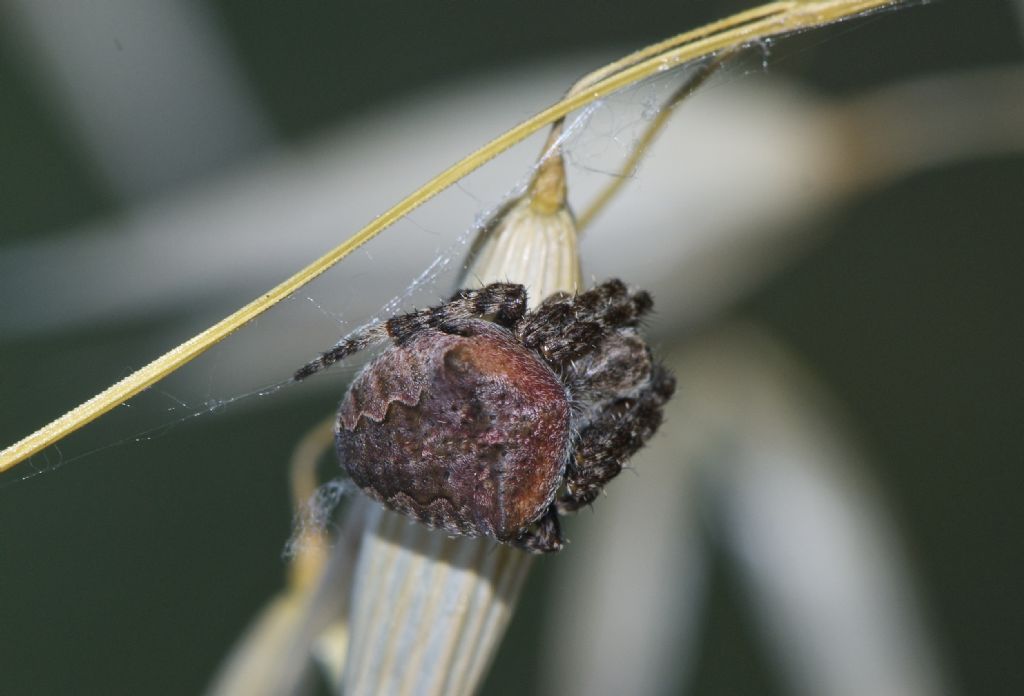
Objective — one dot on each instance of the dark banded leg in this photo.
(546, 537)
(505, 303)
(564, 328)
(609, 441)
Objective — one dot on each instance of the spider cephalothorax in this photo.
(485, 419)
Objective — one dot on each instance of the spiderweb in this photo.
(252, 368)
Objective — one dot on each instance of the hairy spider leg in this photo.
(565, 328)
(612, 438)
(505, 302)
(546, 537)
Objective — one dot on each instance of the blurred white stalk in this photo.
(427, 611)
(744, 162)
(430, 611)
(752, 438)
(149, 88)
(309, 619)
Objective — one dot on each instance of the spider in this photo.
(485, 419)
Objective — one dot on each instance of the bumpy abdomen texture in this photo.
(469, 434)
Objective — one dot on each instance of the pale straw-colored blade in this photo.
(429, 611)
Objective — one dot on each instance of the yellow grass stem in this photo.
(646, 139)
(727, 35)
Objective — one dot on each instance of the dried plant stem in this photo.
(430, 611)
(312, 544)
(703, 73)
(772, 19)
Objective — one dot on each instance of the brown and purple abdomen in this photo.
(469, 434)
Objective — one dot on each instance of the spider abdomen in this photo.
(469, 433)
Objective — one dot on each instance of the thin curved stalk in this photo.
(727, 35)
(616, 182)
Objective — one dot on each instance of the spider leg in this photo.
(353, 343)
(505, 301)
(612, 438)
(564, 328)
(545, 538)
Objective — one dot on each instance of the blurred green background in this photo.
(132, 570)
